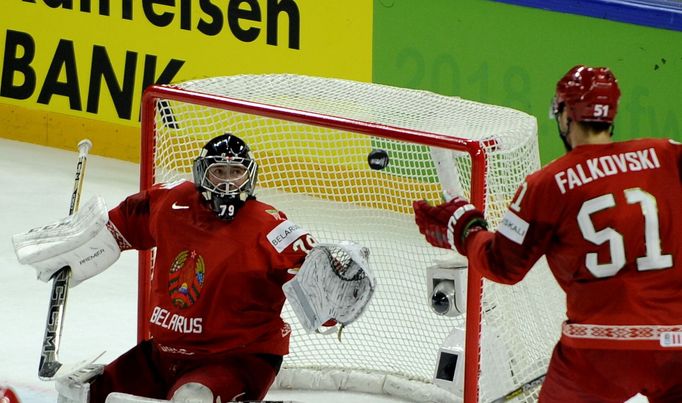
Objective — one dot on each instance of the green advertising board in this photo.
(513, 56)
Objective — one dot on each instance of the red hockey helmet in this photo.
(590, 94)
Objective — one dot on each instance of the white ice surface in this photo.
(36, 185)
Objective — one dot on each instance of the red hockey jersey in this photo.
(607, 217)
(216, 285)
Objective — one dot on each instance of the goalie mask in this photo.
(225, 174)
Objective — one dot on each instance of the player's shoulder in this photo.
(661, 148)
(548, 171)
(650, 142)
(543, 181)
(263, 212)
(174, 186)
(583, 153)
(274, 224)
(668, 144)
(180, 191)
(276, 228)
(172, 189)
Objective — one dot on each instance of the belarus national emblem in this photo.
(186, 278)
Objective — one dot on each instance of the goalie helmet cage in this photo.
(311, 137)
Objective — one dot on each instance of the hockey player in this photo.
(222, 258)
(605, 215)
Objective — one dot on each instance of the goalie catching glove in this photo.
(83, 241)
(448, 225)
(334, 282)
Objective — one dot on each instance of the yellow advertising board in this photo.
(86, 62)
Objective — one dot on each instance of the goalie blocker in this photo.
(334, 283)
(83, 241)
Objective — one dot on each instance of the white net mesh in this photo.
(320, 178)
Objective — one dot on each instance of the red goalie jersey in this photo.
(617, 209)
(216, 286)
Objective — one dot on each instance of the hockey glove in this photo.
(84, 241)
(447, 225)
(334, 283)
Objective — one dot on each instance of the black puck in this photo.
(377, 159)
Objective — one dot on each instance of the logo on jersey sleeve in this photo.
(286, 330)
(186, 278)
(275, 214)
(284, 235)
(171, 185)
(513, 227)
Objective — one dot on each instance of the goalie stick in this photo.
(49, 361)
(523, 389)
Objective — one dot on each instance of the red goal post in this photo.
(311, 137)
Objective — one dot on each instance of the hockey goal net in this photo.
(311, 137)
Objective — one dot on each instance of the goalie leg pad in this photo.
(191, 392)
(76, 388)
(82, 241)
(117, 397)
(334, 282)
